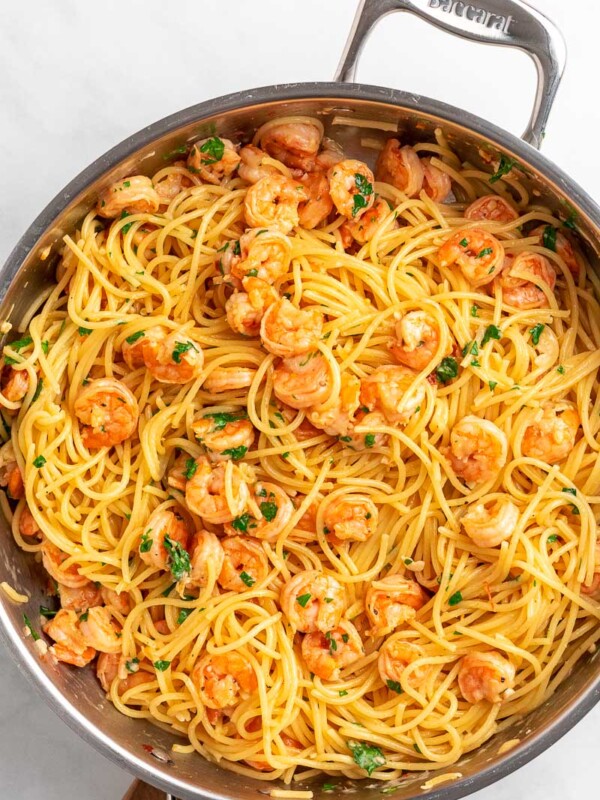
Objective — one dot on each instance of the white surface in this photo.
(77, 78)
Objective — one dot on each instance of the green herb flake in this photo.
(241, 523)
(268, 510)
(536, 332)
(48, 612)
(213, 149)
(369, 440)
(342, 692)
(181, 348)
(570, 490)
(329, 787)
(179, 558)
(560, 369)
(34, 634)
(252, 273)
(455, 599)
(394, 686)
(161, 666)
(505, 166)
(39, 462)
(84, 616)
(19, 344)
(84, 331)
(332, 642)
(492, 385)
(247, 579)
(131, 664)
(447, 369)
(134, 337)
(549, 237)
(491, 332)
(487, 251)
(303, 599)
(145, 541)
(464, 243)
(474, 310)
(221, 418)
(417, 749)
(125, 228)
(190, 468)
(367, 756)
(236, 453)
(552, 538)
(45, 347)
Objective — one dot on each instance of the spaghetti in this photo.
(312, 458)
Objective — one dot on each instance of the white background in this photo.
(78, 77)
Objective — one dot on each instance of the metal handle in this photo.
(502, 22)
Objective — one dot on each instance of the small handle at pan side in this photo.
(502, 22)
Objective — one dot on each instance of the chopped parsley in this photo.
(487, 251)
(181, 348)
(447, 369)
(364, 190)
(504, 167)
(569, 222)
(570, 490)
(474, 310)
(367, 756)
(552, 538)
(161, 666)
(39, 462)
(470, 347)
(369, 440)
(48, 612)
(145, 541)
(236, 452)
(247, 579)
(132, 665)
(19, 344)
(241, 523)
(455, 599)
(213, 149)
(127, 225)
(252, 273)
(417, 749)
(45, 347)
(268, 510)
(221, 418)
(549, 237)
(492, 385)
(84, 616)
(491, 332)
(536, 332)
(38, 390)
(84, 331)
(345, 638)
(464, 243)
(179, 558)
(560, 369)
(332, 642)
(342, 692)
(394, 686)
(303, 599)
(134, 337)
(190, 468)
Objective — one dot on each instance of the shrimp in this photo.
(476, 252)
(547, 349)
(265, 254)
(477, 450)
(491, 207)
(223, 679)
(14, 383)
(98, 630)
(319, 205)
(69, 645)
(313, 601)
(295, 144)
(418, 340)
(363, 228)
(551, 434)
(228, 379)
(162, 531)
(135, 194)
(206, 559)
(395, 655)
(335, 418)
(391, 601)
(331, 154)
(401, 167)
(436, 182)
(351, 187)
(521, 278)
(391, 390)
(27, 523)
(178, 474)
(594, 586)
(251, 167)
(119, 601)
(273, 202)
(302, 381)
(365, 440)
(350, 517)
(81, 598)
(327, 654)
(52, 559)
(174, 359)
(288, 331)
(224, 434)
(207, 495)
(134, 346)
(110, 665)
(550, 237)
(489, 522)
(172, 184)
(109, 412)
(275, 508)
(10, 472)
(244, 563)
(485, 676)
(213, 159)
(245, 310)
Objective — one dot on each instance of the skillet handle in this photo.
(501, 22)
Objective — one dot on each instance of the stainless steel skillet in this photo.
(75, 695)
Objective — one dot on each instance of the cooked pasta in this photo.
(310, 453)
